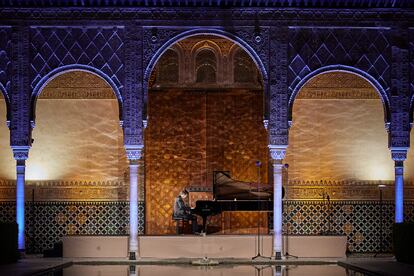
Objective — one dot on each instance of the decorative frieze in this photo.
(324, 93)
(66, 190)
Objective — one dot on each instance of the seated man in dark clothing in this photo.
(183, 211)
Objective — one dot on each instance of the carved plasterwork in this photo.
(399, 154)
(20, 131)
(228, 56)
(277, 100)
(98, 47)
(338, 85)
(400, 89)
(134, 152)
(67, 190)
(338, 93)
(277, 152)
(133, 110)
(217, 3)
(20, 153)
(313, 48)
(411, 35)
(5, 61)
(344, 190)
(77, 85)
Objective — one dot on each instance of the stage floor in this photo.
(211, 246)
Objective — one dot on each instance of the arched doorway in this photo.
(206, 118)
(77, 163)
(338, 154)
(81, 111)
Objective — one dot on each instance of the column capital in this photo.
(277, 152)
(20, 153)
(134, 152)
(399, 154)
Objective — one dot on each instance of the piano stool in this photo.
(182, 225)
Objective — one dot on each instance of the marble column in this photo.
(399, 155)
(134, 155)
(20, 154)
(277, 153)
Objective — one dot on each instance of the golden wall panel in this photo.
(194, 134)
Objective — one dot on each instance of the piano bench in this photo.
(180, 224)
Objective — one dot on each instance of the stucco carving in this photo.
(399, 154)
(277, 152)
(99, 47)
(5, 61)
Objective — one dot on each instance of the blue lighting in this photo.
(20, 205)
(399, 199)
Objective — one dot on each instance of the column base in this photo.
(132, 256)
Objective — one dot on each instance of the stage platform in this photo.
(211, 246)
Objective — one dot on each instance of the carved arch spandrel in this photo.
(368, 50)
(157, 40)
(99, 49)
(5, 66)
(345, 69)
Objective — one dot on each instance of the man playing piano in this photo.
(183, 212)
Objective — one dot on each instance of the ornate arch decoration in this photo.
(202, 46)
(70, 68)
(167, 60)
(7, 100)
(233, 55)
(201, 31)
(346, 69)
(206, 63)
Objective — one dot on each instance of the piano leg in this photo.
(205, 224)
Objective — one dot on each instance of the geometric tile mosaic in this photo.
(47, 222)
(360, 221)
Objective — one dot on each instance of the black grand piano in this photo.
(234, 195)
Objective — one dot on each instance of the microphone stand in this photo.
(381, 187)
(329, 214)
(258, 256)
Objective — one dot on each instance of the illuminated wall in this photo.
(77, 134)
(7, 163)
(338, 132)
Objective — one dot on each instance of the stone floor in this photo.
(382, 265)
(33, 266)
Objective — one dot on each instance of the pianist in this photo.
(183, 212)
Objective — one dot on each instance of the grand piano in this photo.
(234, 195)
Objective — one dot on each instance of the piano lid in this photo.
(224, 187)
